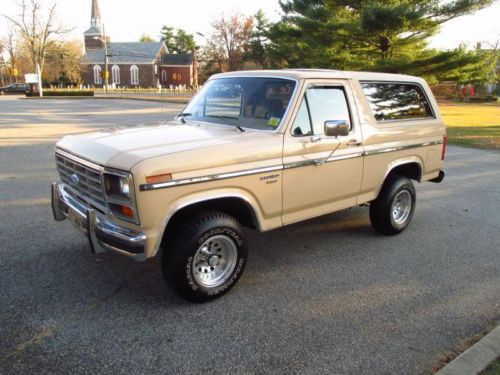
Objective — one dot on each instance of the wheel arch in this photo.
(411, 167)
(237, 204)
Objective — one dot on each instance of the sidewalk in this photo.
(477, 357)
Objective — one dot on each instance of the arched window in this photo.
(97, 75)
(164, 75)
(115, 74)
(134, 75)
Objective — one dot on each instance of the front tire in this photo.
(392, 211)
(206, 256)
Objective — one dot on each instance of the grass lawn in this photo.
(493, 369)
(472, 125)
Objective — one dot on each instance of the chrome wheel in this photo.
(214, 261)
(401, 207)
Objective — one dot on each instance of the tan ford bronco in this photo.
(259, 149)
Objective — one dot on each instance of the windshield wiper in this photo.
(183, 116)
(230, 118)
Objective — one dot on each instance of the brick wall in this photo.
(176, 75)
(147, 76)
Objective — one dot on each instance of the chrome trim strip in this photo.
(306, 163)
(401, 148)
(346, 156)
(298, 164)
(221, 176)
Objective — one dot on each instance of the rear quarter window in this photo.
(397, 101)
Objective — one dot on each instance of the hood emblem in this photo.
(75, 180)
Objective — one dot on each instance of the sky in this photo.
(127, 20)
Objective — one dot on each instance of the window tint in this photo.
(326, 103)
(394, 101)
(302, 123)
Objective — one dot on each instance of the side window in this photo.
(327, 103)
(302, 123)
(396, 101)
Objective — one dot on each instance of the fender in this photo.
(399, 162)
(206, 196)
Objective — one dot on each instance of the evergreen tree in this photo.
(389, 35)
(257, 48)
(178, 40)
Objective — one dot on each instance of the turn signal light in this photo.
(159, 178)
(127, 211)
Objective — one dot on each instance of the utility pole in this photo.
(39, 73)
(195, 68)
(106, 75)
(2, 64)
(1, 70)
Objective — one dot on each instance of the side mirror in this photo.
(336, 128)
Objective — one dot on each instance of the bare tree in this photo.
(2, 64)
(229, 38)
(37, 29)
(11, 47)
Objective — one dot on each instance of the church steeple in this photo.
(94, 35)
(95, 15)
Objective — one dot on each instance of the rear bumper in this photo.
(102, 233)
(439, 178)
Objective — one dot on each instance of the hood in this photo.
(122, 149)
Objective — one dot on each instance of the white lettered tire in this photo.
(206, 257)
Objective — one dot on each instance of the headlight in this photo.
(117, 186)
(124, 187)
(119, 191)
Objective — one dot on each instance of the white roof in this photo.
(322, 74)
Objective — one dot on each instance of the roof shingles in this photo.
(123, 53)
(184, 59)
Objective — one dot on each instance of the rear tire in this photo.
(206, 256)
(392, 211)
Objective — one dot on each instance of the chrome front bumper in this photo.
(102, 234)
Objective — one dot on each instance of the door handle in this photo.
(353, 142)
(315, 138)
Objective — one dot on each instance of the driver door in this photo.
(321, 173)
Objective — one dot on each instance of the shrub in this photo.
(483, 99)
(63, 93)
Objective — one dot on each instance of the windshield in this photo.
(254, 103)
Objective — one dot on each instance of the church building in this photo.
(130, 64)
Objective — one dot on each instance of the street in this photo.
(329, 295)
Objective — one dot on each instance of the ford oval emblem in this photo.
(75, 180)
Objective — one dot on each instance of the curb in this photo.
(477, 357)
(160, 100)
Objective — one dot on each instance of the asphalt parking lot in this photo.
(325, 296)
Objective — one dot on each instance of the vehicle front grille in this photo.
(84, 181)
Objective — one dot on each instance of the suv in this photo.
(15, 88)
(285, 146)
